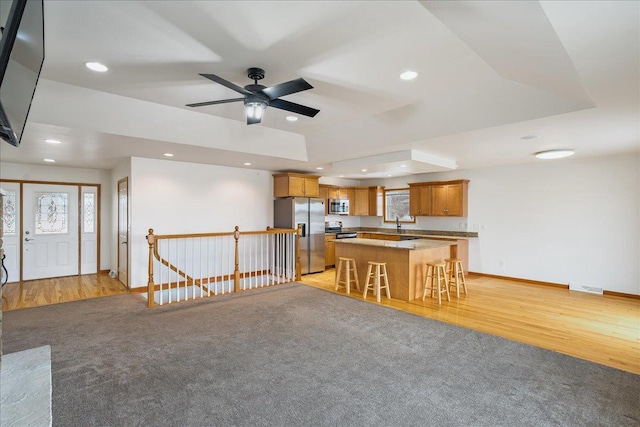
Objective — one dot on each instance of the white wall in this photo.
(73, 175)
(176, 197)
(564, 221)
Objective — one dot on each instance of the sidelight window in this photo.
(9, 214)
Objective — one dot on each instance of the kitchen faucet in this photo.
(398, 226)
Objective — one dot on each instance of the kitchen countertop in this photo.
(404, 244)
(422, 236)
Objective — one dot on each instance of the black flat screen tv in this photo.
(21, 58)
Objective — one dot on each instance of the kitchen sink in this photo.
(409, 237)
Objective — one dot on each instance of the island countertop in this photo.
(406, 260)
(403, 244)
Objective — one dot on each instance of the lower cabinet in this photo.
(329, 250)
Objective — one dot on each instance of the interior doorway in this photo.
(123, 231)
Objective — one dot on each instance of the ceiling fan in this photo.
(258, 97)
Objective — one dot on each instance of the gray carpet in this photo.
(295, 355)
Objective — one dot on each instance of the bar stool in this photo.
(436, 272)
(375, 271)
(350, 268)
(455, 274)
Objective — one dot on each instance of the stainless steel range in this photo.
(335, 227)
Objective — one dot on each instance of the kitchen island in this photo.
(405, 261)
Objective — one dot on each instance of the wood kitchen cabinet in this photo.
(323, 193)
(420, 199)
(291, 184)
(449, 198)
(360, 203)
(329, 250)
(338, 193)
(376, 201)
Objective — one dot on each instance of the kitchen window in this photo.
(396, 205)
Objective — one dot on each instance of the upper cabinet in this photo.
(360, 204)
(337, 193)
(291, 184)
(449, 198)
(363, 201)
(420, 199)
(323, 193)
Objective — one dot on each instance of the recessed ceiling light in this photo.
(364, 170)
(247, 164)
(527, 137)
(389, 175)
(96, 66)
(53, 141)
(292, 118)
(319, 168)
(168, 154)
(408, 75)
(554, 154)
(403, 166)
(49, 160)
(341, 176)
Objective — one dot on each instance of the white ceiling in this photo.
(489, 73)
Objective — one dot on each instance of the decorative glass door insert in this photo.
(52, 213)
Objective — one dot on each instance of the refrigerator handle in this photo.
(303, 229)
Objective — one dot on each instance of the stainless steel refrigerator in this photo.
(288, 213)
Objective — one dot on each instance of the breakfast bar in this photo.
(405, 261)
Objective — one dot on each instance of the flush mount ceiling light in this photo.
(168, 154)
(52, 141)
(96, 66)
(292, 119)
(408, 75)
(49, 160)
(319, 168)
(554, 154)
(247, 164)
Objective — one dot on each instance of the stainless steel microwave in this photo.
(338, 207)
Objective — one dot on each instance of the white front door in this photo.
(50, 233)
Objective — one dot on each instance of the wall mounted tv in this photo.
(21, 58)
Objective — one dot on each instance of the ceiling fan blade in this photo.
(293, 107)
(226, 83)
(253, 120)
(286, 88)
(222, 101)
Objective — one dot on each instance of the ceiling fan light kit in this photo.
(258, 97)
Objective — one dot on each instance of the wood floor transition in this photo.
(600, 328)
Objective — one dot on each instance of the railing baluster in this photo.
(228, 262)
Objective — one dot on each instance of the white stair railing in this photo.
(192, 266)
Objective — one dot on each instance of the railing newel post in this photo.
(236, 278)
(151, 239)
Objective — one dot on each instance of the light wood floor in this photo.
(34, 293)
(602, 329)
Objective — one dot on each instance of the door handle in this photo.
(26, 239)
(123, 243)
